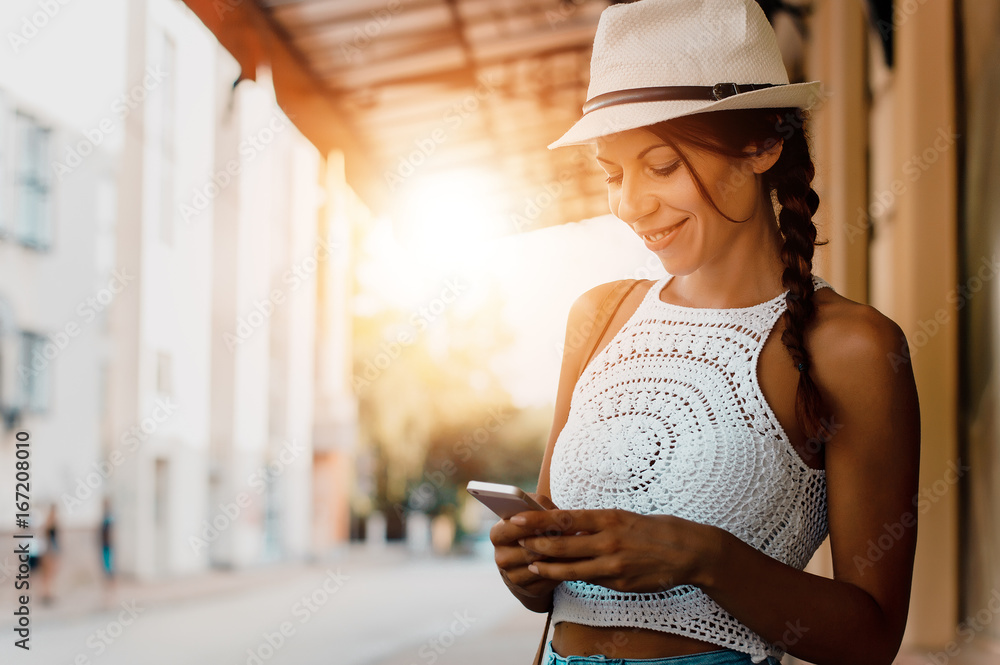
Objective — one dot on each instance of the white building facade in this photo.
(162, 237)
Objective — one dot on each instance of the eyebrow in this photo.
(641, 154)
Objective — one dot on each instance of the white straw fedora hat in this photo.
(654, 60)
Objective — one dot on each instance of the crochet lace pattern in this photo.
(669, 419)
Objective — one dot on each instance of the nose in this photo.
(635, 200)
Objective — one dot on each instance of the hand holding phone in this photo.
(504, 500)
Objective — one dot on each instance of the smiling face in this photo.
(651, 189)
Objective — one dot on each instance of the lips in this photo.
(660, 235)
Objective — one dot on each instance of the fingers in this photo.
(583, 569)
(506, 533)
(570, 521)
(513, 563)
(567, 546)
(509, 558)
(543, 501)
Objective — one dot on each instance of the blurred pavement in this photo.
(385, 607)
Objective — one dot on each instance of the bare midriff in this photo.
(573, 639)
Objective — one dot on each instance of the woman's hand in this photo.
(618, 549)
(512, 560)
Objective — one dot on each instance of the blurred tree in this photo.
(432, 412)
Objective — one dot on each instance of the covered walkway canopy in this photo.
(431, 87)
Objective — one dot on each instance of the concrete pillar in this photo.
(926, 272)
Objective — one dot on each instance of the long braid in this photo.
(790, 178)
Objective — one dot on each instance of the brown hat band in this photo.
(672, 92)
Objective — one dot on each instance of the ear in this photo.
(763, 156)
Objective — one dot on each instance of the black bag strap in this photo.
(605, 315)
(602, 321)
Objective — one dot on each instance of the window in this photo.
(33, 373)
(31, 185)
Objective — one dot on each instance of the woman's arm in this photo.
(533, 591)
(872, 465)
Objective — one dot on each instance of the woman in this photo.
(736, 412)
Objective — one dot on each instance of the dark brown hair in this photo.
(729, 133)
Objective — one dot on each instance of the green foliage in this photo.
(432, 413)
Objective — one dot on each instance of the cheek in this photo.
(686, 196)
(735, 192)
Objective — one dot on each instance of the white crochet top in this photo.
(669, 419)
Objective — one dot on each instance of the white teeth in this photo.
(662, 234)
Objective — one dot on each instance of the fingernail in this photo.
(533, 568)
(519, 519)
(520, 542)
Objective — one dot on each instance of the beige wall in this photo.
(893, 233)
(981, 336)
(926, 268)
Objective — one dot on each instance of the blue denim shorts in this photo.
(718, 657)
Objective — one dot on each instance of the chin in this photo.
(674, 267)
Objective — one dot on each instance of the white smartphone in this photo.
(504, 500)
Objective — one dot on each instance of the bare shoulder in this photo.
(844, 329)
(856, 348)
(586, 305)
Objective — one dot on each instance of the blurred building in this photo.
(174, 277)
